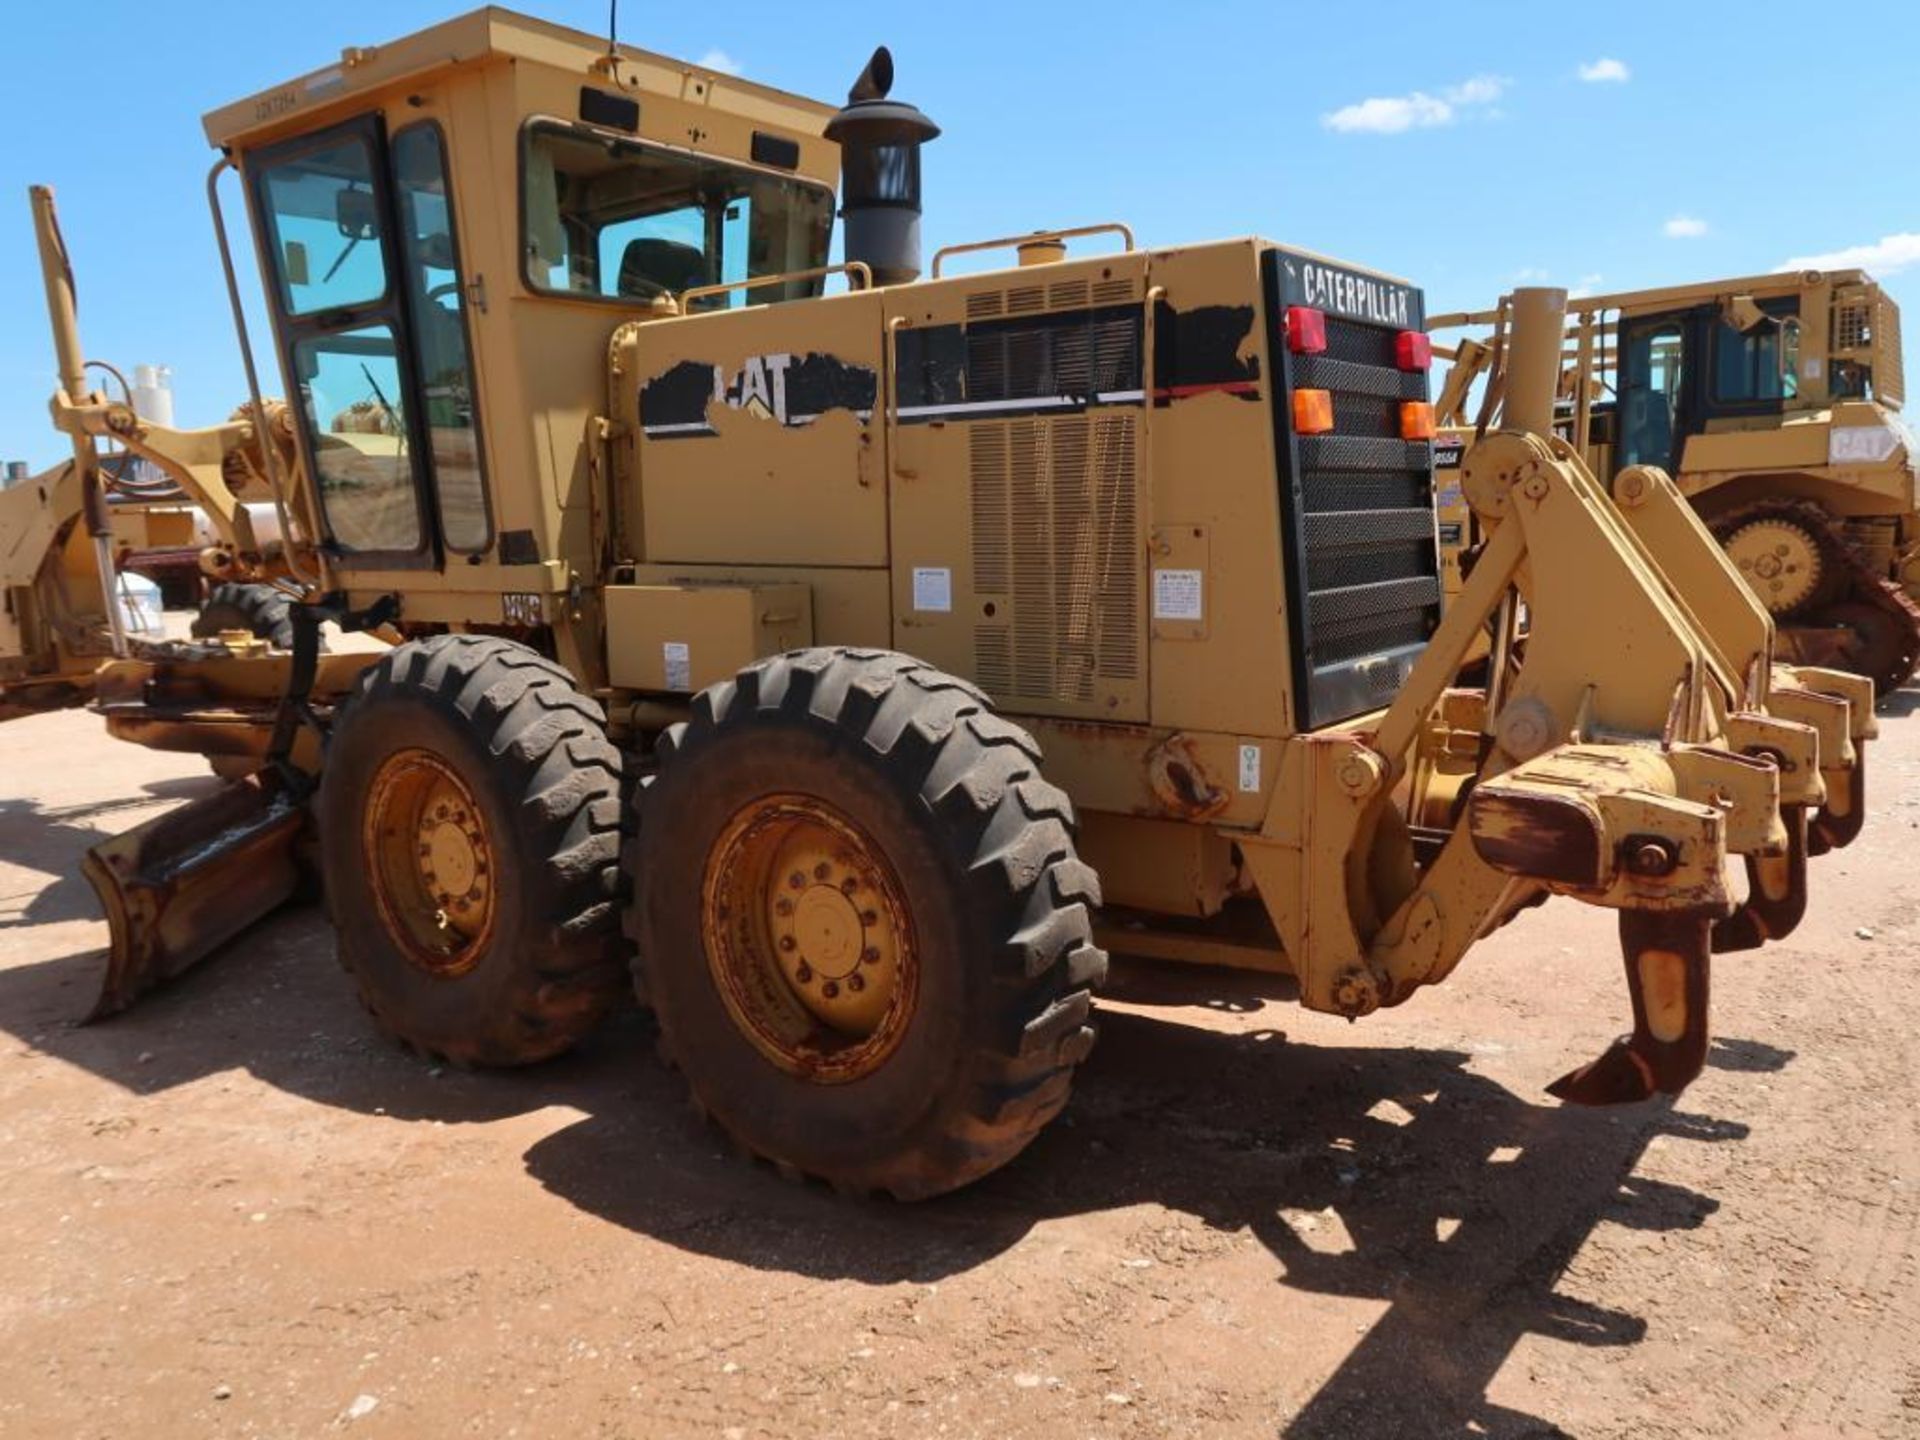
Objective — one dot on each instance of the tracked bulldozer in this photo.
(848, 657)
(1774, 402)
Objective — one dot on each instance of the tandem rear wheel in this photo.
(860, 918)
(469, 817)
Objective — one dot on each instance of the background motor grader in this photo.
(1774, 402)
(858, 667)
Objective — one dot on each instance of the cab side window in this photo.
(1761, 364)
(628, 221)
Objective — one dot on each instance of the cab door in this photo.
(368, 297)
(1660, 361)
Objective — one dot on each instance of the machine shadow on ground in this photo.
(1397, 1175)
(51, 839)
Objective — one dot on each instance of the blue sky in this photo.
(1457, 144)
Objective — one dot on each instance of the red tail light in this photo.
(1306, 330)
(1413, 350)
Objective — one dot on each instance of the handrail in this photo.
(269, 449)
(1111, 227)
(851, 268)
(890, 400)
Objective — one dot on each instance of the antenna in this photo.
(613, 29)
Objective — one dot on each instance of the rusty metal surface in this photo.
(180, 886)
(1667, 958)
(1180, 781)
(1837, 825)
(1776, 893)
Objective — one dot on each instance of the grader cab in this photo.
(855, 669)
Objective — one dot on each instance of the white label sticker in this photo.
(679, 665)
(1176, 595)
(932, 588)
(1250, 769)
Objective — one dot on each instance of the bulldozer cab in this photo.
(1680, 370)
(450, 227)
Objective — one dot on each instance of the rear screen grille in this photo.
(1363, 566)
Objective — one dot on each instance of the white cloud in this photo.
(1684, 227)
(1888, 255)
(718, 60)
(1588, 285)
(1480, 90)
(1604, 70)
(1394, 114)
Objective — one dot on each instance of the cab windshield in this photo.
(615, 219)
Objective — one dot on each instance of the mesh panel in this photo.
(1081, 359)
(1360, 344)
(1319, 372)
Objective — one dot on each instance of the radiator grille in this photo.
(1364, 570)
(1088, 356)
(1889, 381)
(1056, 540)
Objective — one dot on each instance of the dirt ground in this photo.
(235, 1211)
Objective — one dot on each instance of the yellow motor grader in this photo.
(1774, 401)
(853, 656)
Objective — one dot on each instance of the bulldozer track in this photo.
(1892, 661)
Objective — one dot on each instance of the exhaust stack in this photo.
(880, 142)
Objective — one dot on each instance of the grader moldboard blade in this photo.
(180, 886)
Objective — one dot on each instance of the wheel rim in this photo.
(808, 938)
(1779, 560)
(429, 857)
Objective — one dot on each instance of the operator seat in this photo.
(650, 266)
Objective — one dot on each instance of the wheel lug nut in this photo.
(870, 955)
(856, 982)
(797, 880)
(786, 942)
(831, 989)
(822, 870)
(783, 906)
(474, 893)
(869, 918)
(847, 886)
(804, 974)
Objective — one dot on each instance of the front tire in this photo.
(263, 611)
(862, 923)
(469, 830)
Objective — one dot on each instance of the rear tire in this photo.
(260, 610)
(967, 901)
(469, 818)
